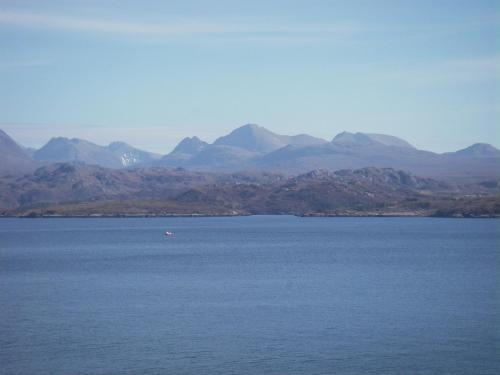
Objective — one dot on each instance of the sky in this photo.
(152, 72)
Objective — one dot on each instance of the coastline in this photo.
(304, 215)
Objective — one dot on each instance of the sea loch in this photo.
(249, 295)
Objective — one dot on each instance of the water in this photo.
(249, 295)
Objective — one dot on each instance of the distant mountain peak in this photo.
(479, 150)
(346, 138)
(58, 139)
(65, 140)
(251, 129)
(115, 155)
(190, 145)
(251, 126)
(6, 139)
(13, 157)
(252, 137)
(118, 144)
(389, 140)
(352, 138)
(129, 155)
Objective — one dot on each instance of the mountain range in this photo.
(254, 148)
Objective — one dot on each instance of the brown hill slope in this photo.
(70, 189)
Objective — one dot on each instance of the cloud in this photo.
(174, 27)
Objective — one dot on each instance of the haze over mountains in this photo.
(254, 148)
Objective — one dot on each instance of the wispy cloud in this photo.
(174, 27)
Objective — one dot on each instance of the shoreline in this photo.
(306, 215)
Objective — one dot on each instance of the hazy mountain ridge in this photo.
(236, 150)
(131, 156)
(477, 150)
(115, 155)
(255, 138)
(254, 148)
(251, 147)
(357, 139)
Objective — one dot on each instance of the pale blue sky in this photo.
(151, 72)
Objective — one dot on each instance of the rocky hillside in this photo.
(76, 189)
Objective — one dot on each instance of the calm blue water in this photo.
(250, 295)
